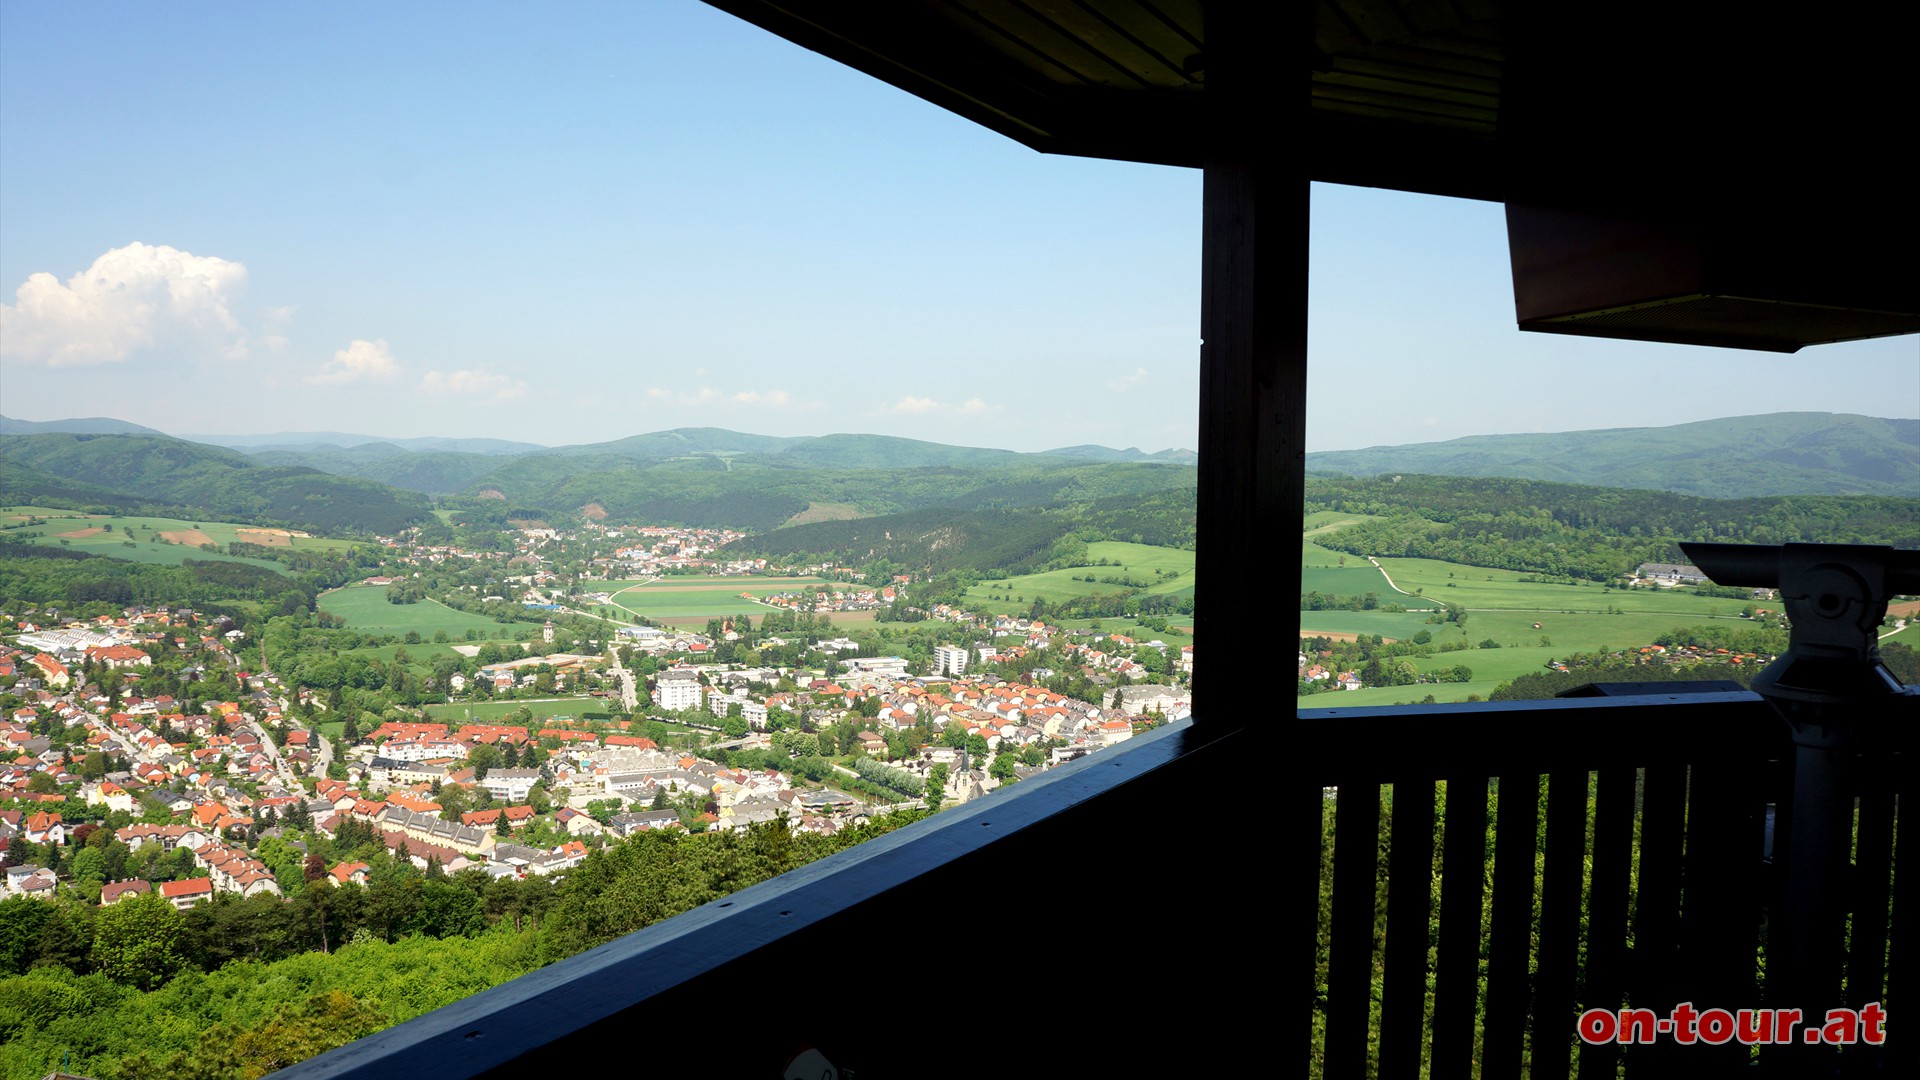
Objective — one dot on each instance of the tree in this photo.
(483, 758)
(936, 787)
(137, 941)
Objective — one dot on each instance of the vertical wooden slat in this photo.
(1554, 985)
(1356, 831)
(1604, 986)
(1511, 936)
(1720, 922)
(1903, 1054)
(1409, 914)
(1872, 873)
(1462, 881)
(1656, 900)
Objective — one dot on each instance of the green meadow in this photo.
(684, 600)
(365, 607)
(1533, 622)
(1175, 634)
(1338, 574)
(166, 541)
(1168, 571)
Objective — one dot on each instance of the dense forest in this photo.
(236, 988)
(163, 476)
(70, 579)
(1583, 532)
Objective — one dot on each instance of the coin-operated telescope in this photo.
(1844, 707)
(1835, 597)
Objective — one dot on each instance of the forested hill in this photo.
(157, 474)
(1796, 453)
(1016, 540)
(1587, 532)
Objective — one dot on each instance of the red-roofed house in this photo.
(120, 890)
(185, 894)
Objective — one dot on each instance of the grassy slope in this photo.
(1137, 561)
(146, 547)
(365, 607)
(1500, 607)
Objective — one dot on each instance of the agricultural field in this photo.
(166, 541)
(1339, 574)
(691, 601)
(1534, 622)
(1169, 571)
(365, 607)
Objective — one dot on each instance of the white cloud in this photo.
(707, 395)
(914, 405)
(1128, 382)
(466, 383)
(131, 299)
(361, 360)
(778, 399)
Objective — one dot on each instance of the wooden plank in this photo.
(1456, 978)
(1656, 902)
(1555, 982)
(1403, 1001)
(1604, 986)
(1903, 1055)
(1719, 936)
(1511, 935)
(1356, 837)
(1872, 895)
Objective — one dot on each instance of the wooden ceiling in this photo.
(1479, 98)
(1766, 138)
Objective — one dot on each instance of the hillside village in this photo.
(187, 789)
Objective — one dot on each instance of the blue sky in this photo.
(571, 223)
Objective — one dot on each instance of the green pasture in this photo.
(1338, 574)
(682, 601)
(1173, 635)
(1394, 626)
(1910, 637)
(1477, 587)
(1325, 521)
(146, 544)
(1169, 571)
(365, 607)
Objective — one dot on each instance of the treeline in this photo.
(239, 987)
(1582, 532)
(1546, 684)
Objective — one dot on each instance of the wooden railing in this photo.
(1602, 852)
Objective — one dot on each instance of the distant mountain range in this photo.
(1795, 453)
(711, 476)
(89, 425)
